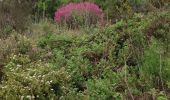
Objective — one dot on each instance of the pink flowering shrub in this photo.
(75, 14)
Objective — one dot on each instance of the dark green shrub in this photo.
(55, 41)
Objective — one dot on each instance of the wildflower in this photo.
(19, 65)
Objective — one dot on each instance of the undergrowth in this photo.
(127, 60)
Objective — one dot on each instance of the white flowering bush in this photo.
(33, 80)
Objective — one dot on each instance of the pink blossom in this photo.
(65, 11)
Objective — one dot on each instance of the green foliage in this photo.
(33, 80)
(46, 8)
(127, 60)
(101, 89)
(157, 69)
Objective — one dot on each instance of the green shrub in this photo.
(102, 89)
(24, 45)
(33, 80)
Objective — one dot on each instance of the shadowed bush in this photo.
(14, 15)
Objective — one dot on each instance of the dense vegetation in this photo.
(126, 56)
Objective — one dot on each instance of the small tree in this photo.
(79, 14)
